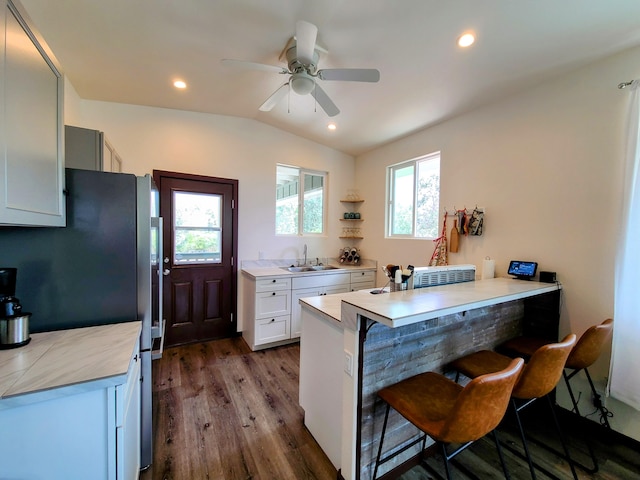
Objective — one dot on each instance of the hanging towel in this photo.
(462, 222)
(476, 221)
(439, 256)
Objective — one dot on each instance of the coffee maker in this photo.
(14, 323)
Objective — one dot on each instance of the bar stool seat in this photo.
(538, 378)
(448, 412)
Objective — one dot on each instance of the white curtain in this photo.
(624, 378)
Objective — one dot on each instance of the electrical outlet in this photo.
(348, 363)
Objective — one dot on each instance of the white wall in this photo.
(547, 167)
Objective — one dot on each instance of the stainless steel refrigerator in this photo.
(102, 268)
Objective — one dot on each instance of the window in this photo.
(300, 201)
(197, 228)
(414, 198)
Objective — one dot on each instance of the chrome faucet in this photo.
(305, 254)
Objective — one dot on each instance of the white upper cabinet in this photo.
(31, 125)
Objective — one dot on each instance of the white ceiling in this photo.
(130, 51)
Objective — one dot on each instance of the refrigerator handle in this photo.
(160, 275)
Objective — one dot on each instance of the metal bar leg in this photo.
(564, 444)
(524, 440)
(504, 465)
(594, 460)
(384, 429)
(573, 398)
(597, 396)
(445, 458)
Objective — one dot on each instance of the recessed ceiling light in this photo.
(332, 126)
(180, 84)
(466, 40)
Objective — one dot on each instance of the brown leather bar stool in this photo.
(448, 412)
(584, 354)
(539, 377)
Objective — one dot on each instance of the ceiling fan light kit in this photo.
(302, 60)
(302, 83)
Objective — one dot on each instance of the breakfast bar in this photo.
(353, 344)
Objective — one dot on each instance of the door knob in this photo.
(166, 272)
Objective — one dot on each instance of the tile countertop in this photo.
(60, 363)
(396, 309)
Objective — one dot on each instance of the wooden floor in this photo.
(223, 412)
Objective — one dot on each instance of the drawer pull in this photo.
(273, 293)
(273, 281)
(273, 320)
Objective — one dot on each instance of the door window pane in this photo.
(197, 227)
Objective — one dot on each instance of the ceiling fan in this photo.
(302, 57)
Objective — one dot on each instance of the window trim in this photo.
(390, 195)
(302, 172)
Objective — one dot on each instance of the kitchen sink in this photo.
(298, 269)
(314, 268)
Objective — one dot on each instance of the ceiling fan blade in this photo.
(275, 97)
(306, 34)
(350, 74)
(325, 102)
(253, 66)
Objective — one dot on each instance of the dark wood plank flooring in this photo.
(222, 412)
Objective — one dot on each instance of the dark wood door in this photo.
(200, 245)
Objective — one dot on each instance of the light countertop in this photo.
(403, 308)
(53, 363)
(276, 271)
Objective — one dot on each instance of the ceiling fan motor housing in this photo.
(296, 66)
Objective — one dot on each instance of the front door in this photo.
(200, 245)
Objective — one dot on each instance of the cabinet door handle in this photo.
(273, 281)
(273, 293)
(273, 320)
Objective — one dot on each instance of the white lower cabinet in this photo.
(296, 295)
(272, 308)
(77, 434)
(128, 423)
(273, 329)
(363, 280)
(267, 306)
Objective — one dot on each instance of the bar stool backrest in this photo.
(542, 372)
(481, 405)
(590, 345)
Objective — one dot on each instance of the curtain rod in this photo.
(624, 84)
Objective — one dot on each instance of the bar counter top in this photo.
(396, 309)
